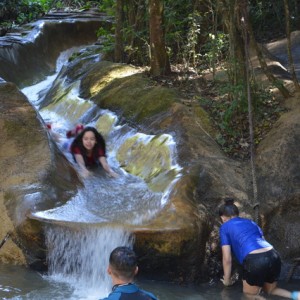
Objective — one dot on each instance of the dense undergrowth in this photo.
(230, 118)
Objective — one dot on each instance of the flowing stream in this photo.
(99, 219)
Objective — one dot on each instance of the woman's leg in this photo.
(251, 292)
(272, 289)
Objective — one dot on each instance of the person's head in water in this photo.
(123, 264)
(228, 209)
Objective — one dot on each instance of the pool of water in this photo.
(18, 282)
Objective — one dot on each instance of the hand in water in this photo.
(227, 282)
(113, 174)
(85, 173)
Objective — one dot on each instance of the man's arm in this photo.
(227, 263)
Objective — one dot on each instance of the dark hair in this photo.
(78, 143)
(123, 262)
(228, 209)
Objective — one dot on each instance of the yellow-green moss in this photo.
(67, 104)
(164, 242)
(205, 120)
(123, 87)
(149, 159)
(105, 123)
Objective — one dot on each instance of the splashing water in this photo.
(106, 200)
(79, 257)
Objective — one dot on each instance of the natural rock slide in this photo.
(177, 241)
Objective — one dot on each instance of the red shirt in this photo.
(90, 159)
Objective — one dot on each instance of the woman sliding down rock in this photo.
(89, 150)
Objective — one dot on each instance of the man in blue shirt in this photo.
(261, 262)
(122, 269)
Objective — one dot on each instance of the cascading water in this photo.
(79, 257)
(81, 234)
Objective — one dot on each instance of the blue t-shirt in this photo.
(129, 292)
(243, 236)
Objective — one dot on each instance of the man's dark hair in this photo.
(123, 261)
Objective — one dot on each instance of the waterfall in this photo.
(79, 257)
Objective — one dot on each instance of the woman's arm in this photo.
(106, 167)
(227, 261)
(80, 161)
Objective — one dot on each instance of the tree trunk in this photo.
(119, 45)
(136, 11)
(159, 60)
(236, 65)
(289, 45)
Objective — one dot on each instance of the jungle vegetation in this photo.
(177, 42)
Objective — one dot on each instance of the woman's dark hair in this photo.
(228, 209)
(78, 143)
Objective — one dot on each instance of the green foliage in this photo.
(108, 6)
(45, 4)
(179, 23)
(237, 103)
(21, 11)
(229, 111)
(90, 4)
(268, 18)
(215, 50)
(107, 39)
(24, 11)
(138, 50)
(60, 4)
(190, 53)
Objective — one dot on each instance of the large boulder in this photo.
(279, 180)
(34, 176)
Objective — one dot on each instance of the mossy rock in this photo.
(122, 87)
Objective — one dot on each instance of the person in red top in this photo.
(89, 150)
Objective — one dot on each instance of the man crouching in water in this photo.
(122, 269)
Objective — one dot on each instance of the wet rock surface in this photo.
(34, 175)
(29, 53)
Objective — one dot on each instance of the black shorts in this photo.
(259, 268)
